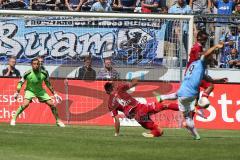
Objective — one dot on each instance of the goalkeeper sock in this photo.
(54, 112)
(18, 112)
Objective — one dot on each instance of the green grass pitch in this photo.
(43, 142)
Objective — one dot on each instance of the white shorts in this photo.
(186, 104)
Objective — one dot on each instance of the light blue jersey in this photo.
(191, 82)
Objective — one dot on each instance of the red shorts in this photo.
(142, 116)
(205, 84)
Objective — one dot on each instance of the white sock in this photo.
(172, 96)
(190, 126)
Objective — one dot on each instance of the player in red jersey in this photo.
(197, 48)
(195, 54)
(120, 100)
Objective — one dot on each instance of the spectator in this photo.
(11, 71)
(233, 36)
(181, 8)
(15, 4)
(170, 3)
(237, 38)
(42, 4)
(125, 5)
(224, 7)
(86, 72)
(226, 51)
(87, 4)
(74, 5)
(108, 72)
(237, 7)
(149, 6)
(101, 6)
(232, 60)
(60, 5)
(200, 6)
(164, 10)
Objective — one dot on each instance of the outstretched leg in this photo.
(142, 116)
(147, 123)
(208, 88)
(160, 98)
(190, 126)
(19, 111)
(55, 113)
(186, 106)
(172, 106)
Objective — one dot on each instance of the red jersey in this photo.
(195, 53)
(120, 100)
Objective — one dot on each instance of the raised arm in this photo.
(80, 5)
(68, 5)
(191, 3)
(6, 72)
(209, 5)
(210, 50)
(134, 82)
(116, 125)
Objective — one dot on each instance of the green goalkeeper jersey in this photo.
(35, 81)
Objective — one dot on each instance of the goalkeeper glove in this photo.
(57, 98)
(15, 95)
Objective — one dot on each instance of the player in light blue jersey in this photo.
(189, 89)
(191, 82)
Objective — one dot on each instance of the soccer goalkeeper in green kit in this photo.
(34, 79)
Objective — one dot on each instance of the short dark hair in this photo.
(40, 57)
(34, 59)
(201, 34)
(108, 87)
(107, 58)
(87, 58)
(12, 57)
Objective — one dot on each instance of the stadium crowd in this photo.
(144, 6)
(219, 31)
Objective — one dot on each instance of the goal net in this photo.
(152, 48)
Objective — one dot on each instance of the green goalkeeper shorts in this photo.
(42, 95)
